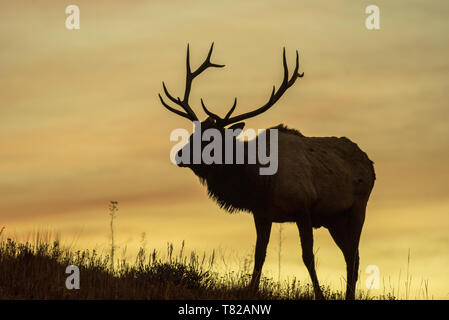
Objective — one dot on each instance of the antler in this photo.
(275, 96)
(184, 103)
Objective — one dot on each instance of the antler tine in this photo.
(189, 78)
(178, 112)
(275, 94)
(189, 114)
(184, 103)
(209, 113)
(209, 56)
(206, 64)
(272, 93)
(169, 95)
(217, 117)
(188, 59)
(192, 75)
(295, 74)
(232, 109)
(210, 52)
(284, 63)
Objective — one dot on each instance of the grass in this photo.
(35, 269)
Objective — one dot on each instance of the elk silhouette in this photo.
(320, 181)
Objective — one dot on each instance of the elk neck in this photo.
(236, 187)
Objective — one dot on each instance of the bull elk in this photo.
(320, 181)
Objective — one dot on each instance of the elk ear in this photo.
(237, 126)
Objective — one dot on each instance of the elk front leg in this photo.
(263, 230)
(306, 236)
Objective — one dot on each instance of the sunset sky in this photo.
(81, 123)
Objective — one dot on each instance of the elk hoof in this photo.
(253, 287)
(319, 295)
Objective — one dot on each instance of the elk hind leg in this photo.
(346, 234)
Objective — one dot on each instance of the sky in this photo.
(81, 123)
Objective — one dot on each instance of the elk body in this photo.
(320, 182)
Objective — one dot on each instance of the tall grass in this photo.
(113, 208)
(35, 269)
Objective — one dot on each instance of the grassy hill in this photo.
(37, 270)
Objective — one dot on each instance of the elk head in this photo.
(213, 121)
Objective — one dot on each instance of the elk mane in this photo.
(240, 187)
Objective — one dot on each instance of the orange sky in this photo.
(81, 123)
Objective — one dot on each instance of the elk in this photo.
(320, 181)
